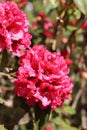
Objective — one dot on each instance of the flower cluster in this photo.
(45, 23)
(42, 78)
(14, 34)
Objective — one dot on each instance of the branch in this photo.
(83, 102)
(78, 95)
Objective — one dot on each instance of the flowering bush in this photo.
(14, 34)
(35, 79)
(42, 78)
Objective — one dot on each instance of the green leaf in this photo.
(29, 15)
(1, 101)
(50, 7)
(77, 14)
(57, 120)
(23, 127)
(69, 110)
(82, 5)
(65, 126)
(58, 110)
(38, 6)
(2, 127)
(52, 1)
(71, 28)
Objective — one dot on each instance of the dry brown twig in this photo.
(5, 74)
(78, 95)
(83, 102)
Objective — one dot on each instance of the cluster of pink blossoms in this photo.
(42, 78)
(45, 23)
(14, 34)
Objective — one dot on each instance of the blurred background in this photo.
(61, 26)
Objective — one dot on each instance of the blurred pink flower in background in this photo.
(66, 55)
(84, 25)
(45, 23)
(48, 29)
(48, 128)
(20, 3)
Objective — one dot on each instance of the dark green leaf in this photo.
(23, 127)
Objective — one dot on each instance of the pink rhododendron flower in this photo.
(84, 25)
(66, 55)
(42, 78)
(73, 23)
(48, 33)
(14, 26)
(48, 128)
(69, 62)
(44, 22)
(48, 29)
(41, 14)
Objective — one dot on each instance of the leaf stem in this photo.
(4, 60)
